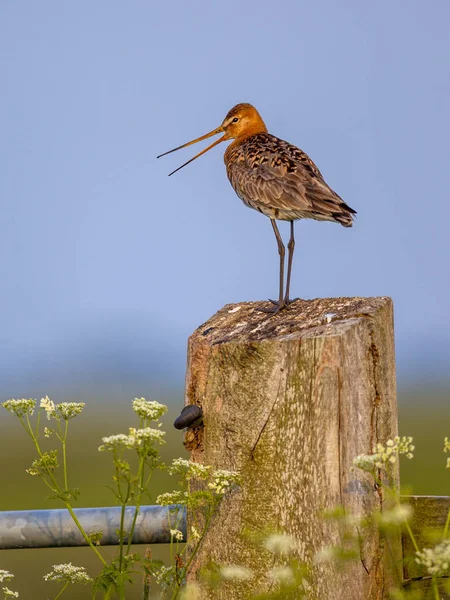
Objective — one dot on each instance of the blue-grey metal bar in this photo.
(55, 528)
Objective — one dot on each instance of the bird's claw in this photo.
(273, 310)
(278, 305)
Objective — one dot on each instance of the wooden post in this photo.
(289, 400)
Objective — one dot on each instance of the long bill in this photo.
(203, 137)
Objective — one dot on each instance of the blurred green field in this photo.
(423, 414)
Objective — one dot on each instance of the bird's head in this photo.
(242, 121)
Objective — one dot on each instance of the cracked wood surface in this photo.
(289, 400)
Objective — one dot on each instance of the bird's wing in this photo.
(282, 177)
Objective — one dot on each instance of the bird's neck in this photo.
(252, 129)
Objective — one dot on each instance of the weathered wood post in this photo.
(289, 401)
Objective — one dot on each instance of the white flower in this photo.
(5, 575)
(177, 534)
(139, 439)
(283, 575)
(21, 407)
(195, 536)
(169, 498)
(384, 454)
(446, 445)
(47, 432)
(49, 407)
(116, 442)
(165, 576)
(181, 466)
(10, 593)
(64, 410)
(68, 410)
(396, 515)
(148, 409)
(68, 572)
(222, 481)
(280, 543)
(365, 462)
(235, 572)
(436, 560)
(148, 435)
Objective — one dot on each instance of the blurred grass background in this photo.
(423, 413)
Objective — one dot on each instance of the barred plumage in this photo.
(275, 178)
(282, 182)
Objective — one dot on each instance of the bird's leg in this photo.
(281, 251)
(291, 246)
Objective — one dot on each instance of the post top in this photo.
(243, 322)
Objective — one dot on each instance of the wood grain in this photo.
(289, 401)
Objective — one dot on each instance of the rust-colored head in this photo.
(242, 121)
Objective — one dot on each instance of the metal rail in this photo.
(55, 528)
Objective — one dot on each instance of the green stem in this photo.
(54, 490)
(140, 477)
(38, 420)
(408, 527)
(121, 534)
(58, 491)
(171, 537)
(447, 525)
(30, 432)
(147, 481)
(435, 589)
(193, 553)
(84, 534)
(28, 429)
(121, 590)
(197, 546)
(62, 591)
(63, 441)
(411, 535)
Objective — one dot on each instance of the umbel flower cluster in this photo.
(20, 408)
(383, 455)
(218, 482)
(26, 406)
(148, 409)
(436, 560)
(136, 438)
(141, 439)
(67, 572)
(64, 410)
(7, 576)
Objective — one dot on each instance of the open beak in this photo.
(203, 137)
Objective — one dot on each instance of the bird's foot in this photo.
(278, 305)
(286, 301)
(273, 310)
(289, 302)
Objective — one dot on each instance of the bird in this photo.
(275, 178)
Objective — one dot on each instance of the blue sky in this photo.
(107, 265)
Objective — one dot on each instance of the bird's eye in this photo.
(235, 120)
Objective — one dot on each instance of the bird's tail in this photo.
(345, 216)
